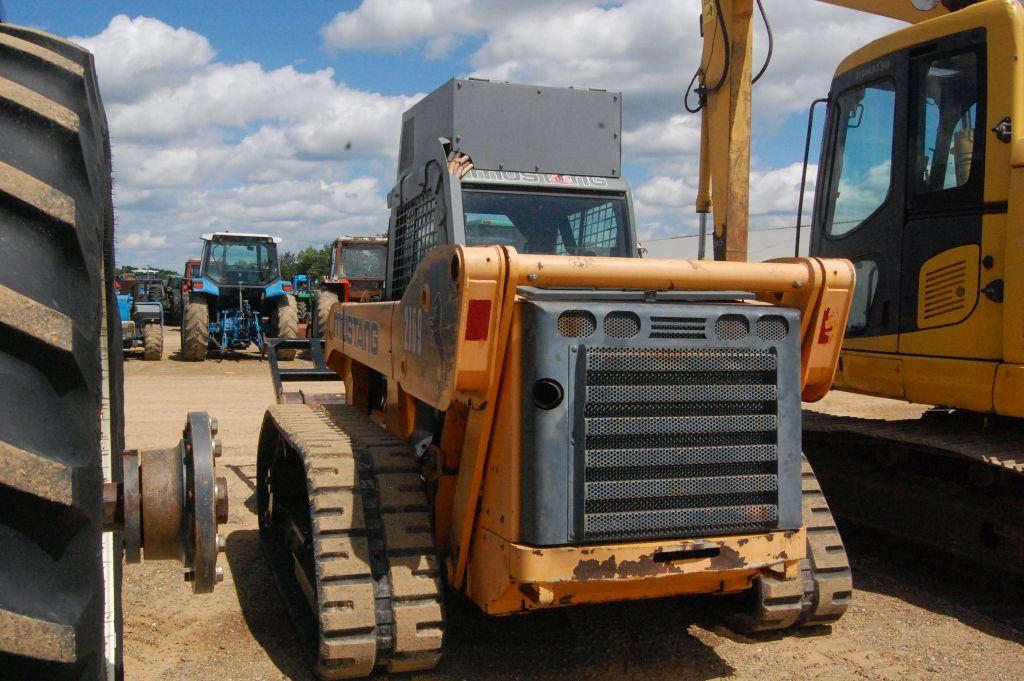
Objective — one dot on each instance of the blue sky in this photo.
(284, 116)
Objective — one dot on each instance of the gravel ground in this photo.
(910, 620)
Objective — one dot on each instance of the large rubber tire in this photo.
(195, 329)
(284, 323)
(60, 360)
(173, 308)
(324, 301)
(153, 342)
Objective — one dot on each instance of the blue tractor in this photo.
(140, 302)
(239, 299)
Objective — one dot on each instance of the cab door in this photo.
(942, 240)
(859, 203)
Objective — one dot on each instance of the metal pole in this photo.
(701, 248)
(803, 174)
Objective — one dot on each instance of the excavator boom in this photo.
(723, 86)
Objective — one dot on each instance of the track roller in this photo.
(345, 525)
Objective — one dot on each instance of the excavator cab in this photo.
(915, 187)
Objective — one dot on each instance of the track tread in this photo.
(383, 615)
(938, 437)
(823, 590)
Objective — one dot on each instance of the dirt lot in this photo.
(908, 621)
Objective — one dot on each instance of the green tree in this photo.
(310, 261)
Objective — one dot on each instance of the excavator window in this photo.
(862, 164)
(546, 222)
(946, 112)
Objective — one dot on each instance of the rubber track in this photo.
(931, 436)
(195, 329)
(56, 220)
(324, 301)
(378, 580)
(153, 342)
(823, 591)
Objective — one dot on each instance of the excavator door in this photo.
(902, 194)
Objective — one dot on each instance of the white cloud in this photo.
(201, 144)
(393, 25)
(145, 238)
(143, 54)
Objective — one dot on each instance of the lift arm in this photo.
(723, 98)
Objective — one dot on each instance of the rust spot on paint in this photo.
(728, 559)
(644, 566)
(566, 599)
(537, 552)
(594, 569)
(743, 542)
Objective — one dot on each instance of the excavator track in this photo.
(942, 483)
(822, 593)
(345, 524)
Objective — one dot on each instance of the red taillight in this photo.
(478, 319)
(287, 288)
(197, 285)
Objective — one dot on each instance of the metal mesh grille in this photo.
(772, 328)
(694, 328)
(622, 324)
(732, 327)
(576, 324)
(414, 236)
(679, 442)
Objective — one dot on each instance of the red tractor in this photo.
(192, 267)
(358, 269)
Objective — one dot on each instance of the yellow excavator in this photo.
(915, 186)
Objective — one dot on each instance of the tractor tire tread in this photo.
(153, 342)
(324, 301)
(60, 350)
(195, 329)
(285, 324)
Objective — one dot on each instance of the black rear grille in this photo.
(679, 442)
(692, 328)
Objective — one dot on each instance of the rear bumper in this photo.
(506, 577)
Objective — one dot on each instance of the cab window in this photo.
(946, 116)
(862, 162)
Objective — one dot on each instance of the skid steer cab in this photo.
(540, 418)
(238, 299)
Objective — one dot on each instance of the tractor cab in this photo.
(357, 273)
(362, 262)
(240, 260)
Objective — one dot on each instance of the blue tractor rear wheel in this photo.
(195, 329)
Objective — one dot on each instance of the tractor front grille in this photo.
(678, 442)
